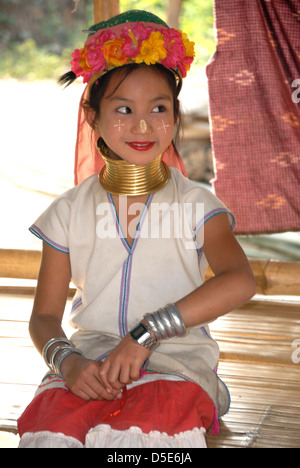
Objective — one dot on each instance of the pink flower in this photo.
(134, 35)
(185, 65)
(95, 55)
(80, 64)
(174, 47)
(100, 37)
(96, 59)
(75, 67)
(90, 59)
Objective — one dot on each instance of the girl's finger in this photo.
(135, 372)
(103, 374)
(124, 377)
(113, 376)
(101, 393)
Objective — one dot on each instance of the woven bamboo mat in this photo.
(256, 365)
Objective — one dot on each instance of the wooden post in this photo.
(174, 9)
(105, 9)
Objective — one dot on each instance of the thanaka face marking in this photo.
(119, 125)
(143, 126)
(164, 126)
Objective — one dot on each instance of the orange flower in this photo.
(83, 61)
(113, 52)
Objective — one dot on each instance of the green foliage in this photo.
(197, 20)
(27, 61)
(25, 57)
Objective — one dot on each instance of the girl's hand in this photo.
(83, 379)
(123, 365)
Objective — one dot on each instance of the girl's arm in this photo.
(82, 375)
(50, 297)
(232, 285)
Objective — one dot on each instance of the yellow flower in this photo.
(152, 50)
(189, 45)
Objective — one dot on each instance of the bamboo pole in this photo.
(105, 9)
(272, 277)
(21, 264)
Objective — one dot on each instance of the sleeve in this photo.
(211, 206)
(53, 225)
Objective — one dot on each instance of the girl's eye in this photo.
(159, 109)
(124, 110)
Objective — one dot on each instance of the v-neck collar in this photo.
(130, 249)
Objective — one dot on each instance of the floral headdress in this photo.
(132, 37)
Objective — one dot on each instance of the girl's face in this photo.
(137, 119)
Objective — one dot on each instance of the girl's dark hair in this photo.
(100, 86)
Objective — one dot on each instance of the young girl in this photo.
(141, 369)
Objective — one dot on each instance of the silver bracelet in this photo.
(49, 344)
(64, 352)
(176, 319)
(52, 358)
(166, 323)
(160, 325)
(58, 354)
(152, 325)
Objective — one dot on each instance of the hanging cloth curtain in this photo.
(254, 92)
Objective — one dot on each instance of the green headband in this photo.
(132, 16)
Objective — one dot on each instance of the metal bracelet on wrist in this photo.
(152, 325)
(49, 344)
(64, 352)
(166, 323)
(176, 319)
(58, 354)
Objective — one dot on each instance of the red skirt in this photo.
(165, 407)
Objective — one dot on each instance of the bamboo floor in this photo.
(257, 355)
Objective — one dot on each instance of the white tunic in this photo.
(117, 284)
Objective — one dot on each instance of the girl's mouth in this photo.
(141, 145)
